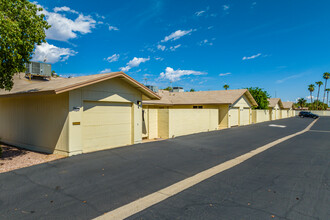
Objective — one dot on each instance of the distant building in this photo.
(177, 89)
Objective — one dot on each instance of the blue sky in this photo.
(281, 46)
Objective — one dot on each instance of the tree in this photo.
(320, 105)
(319, 83)
(54, 74)
(226, 86)
(169, 88)
(326, 76)
(192, 90)
(327, 90)
(311, 89)
(301, 102)
(21, 27)
(261, 96)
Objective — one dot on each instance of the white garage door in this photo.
(278, 114)
(245, 116)
(106, 125)
(233, 112)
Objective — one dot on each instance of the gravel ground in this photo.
(13, 158)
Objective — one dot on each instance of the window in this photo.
(197, 106)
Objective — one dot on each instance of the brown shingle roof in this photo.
(23, 86)
(202, 97)
(287, 105)
(274, 101)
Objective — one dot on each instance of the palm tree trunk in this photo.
(317, 98)
(325, 88)
(328, 98)
(311, 99)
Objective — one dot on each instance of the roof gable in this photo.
(274, 101)
(23, 86)
(287, 105)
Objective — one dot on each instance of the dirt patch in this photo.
(13, 158)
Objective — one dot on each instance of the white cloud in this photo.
(175, 75)
(134, 63)
(173, 48)
(205, 42)
(210, 27)
(199, 13)
(176, 35)
(51, 53)
(251, 57)
(63, 28)
(106, 71)
(113, 28)
(159, 58)
(309, 97)
(290, 77)
(161, 47)
(224, 74)
(225, 7)
(66, 9)
(113, 58)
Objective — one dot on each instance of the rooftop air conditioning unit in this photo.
(153, 88)
(38, 69)
(178, 89)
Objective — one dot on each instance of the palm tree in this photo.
(226, 86)
(302, 102)
(319, 83)
(311, 88)
(326, 76)
(327, 90)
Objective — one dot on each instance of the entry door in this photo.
(234, 115)
(106, 125)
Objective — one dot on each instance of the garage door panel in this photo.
(245, 116)
(98, 119)
(107, 130)
(106, 125)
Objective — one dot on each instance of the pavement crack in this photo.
(56, 190)
(255, 209)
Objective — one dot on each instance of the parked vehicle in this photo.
(307, 115)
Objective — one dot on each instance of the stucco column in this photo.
(75, 122)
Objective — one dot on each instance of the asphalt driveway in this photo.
(86, 186)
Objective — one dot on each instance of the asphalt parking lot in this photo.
(88, 185)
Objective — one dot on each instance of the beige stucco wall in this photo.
(183, 121)
(172, 121)
(260, 115)
(38, 123)
(318, 112)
